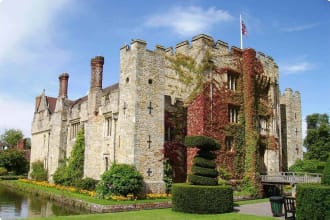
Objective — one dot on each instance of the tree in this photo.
(14, 161)
(317, 141)
(71, 173)
(11, 136)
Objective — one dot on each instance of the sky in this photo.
(40, 39)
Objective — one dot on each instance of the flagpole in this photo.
(240, 30)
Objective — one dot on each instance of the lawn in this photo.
(160, 214)
(155, 214)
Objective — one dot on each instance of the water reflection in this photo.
(14, 205)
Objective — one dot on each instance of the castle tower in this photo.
(291, 121)
(141, 112)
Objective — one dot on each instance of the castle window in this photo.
(108, 126)
(232, 81)
(74, 130)
(150, 81)
(229, 144)
(233, 114)
(106, 163)
(127, 79)
(263, 125)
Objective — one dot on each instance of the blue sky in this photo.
(41, 39)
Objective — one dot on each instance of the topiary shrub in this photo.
(204, 195)
(202, 199)
(38, 173)
(313, 201)
(3, 171)
(204, 168)
(120, 179)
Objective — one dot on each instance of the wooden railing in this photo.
(291, 178)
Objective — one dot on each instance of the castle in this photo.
(200, 88)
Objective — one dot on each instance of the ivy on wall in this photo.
(250, 96)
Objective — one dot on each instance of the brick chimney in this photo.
(96, 72)
(63, 91)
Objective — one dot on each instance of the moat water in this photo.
(18, 205)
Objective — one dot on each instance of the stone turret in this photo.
(63, 88)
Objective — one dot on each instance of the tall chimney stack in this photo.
(63, 91)
(97, 72)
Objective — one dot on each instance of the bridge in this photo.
(291, 178)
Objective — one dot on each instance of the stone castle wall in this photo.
(135, 109)
(291, 126)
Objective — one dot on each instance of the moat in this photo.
(16, 204)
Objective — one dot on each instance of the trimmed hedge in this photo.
(326, 173)
(313, 202)
(202, 199)
(202, 142)
(200, 161)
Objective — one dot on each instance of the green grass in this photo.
(161, 214)
(255, 201)
(29, 187)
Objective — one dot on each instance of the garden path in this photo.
(259, 209)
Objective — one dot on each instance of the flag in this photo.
(243, 29)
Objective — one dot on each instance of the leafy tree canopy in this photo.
(11, 136)
(14, 161)
(317, 141)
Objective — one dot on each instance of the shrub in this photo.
(120, 179)
(202, 142)
(313, 201)
(202, 199)
(309, 166)
(200, 161)
(38, 173)
(14, 161)
(72, 172)
(3, 171)
(203, 169)
(87, 184)
(326, 173)
(202, 180)
(61, 176)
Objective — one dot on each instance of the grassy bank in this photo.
(46, 192)
(161, 214)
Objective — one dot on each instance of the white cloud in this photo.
(189, 20)
(295, 68)
(27, 29)
(300, 27)
(16, 114)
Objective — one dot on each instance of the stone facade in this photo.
(291, 127)
(130, 122)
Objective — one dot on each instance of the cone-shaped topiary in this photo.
(204, 168)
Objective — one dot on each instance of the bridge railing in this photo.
(292, 177)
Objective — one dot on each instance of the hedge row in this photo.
(202, 199)
(313, 202)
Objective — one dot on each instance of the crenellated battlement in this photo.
(197, 42)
